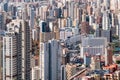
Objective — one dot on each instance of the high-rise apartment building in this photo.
(10, 56)
(107, 4)
(113, 4)
(85, 28)
(12, 53)
(2, 20)
(98, 3)
(1, 51)
(105, 21)
(22, 48)
(32, 15)
(108, 56)
(50, 66)
(26, 50)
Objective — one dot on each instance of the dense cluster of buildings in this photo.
(59, 40)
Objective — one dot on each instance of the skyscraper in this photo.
(12, 53)
(32, 15)
(107, 4)
(50, 60)
(24, 48)
(105, 21)
(10, 56)
(2, 21)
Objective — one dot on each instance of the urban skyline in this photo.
(59, 40)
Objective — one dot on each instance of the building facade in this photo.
(50, 60)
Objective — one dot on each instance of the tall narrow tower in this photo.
(11, 51)
(50, 60)
(108, 56)
(107, 4)
(22, 48)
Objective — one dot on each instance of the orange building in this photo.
(111, 68)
